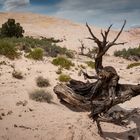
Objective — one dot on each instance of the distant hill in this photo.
(42, 25)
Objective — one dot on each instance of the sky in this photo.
(100, 13)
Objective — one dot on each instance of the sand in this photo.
(42, 121)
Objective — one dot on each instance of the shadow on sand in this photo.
(132, 134)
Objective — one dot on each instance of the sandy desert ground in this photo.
(32, 120)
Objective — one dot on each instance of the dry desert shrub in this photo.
(40, 95)
(64, 78)
(63, 62)
(42, 82)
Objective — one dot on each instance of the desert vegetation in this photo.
(133, 65)
(44, 63)
(130, 54)
(91, 64)
(42, 82)
(8, 49)
(64, 78)
(36, 54)
(41, 95)
(12, 40)
(63, 62)
(11, 29)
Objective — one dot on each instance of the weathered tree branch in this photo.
(103, 45)
(77, 93)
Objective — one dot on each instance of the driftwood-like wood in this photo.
(99, 97)
(99, 109)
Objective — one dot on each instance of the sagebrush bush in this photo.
(53, 50)
(42, 82)
(131, 53)
(11, 28)
(36, 54)
(48, 45)
(64, 78)
(8, 49)
(17, 74)
(40, 95)
(62, 62)
(133, 65)
(91, 64)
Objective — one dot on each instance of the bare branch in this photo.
(104, 45)
(93, 36)
(90, 38)
(113, 42)
(108, 30)
(102, 34)
(122, 43)
(118, 33)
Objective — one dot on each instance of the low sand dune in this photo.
(43, 121)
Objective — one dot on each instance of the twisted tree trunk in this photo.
(106, 92)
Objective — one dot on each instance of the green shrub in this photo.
(50, 48)
(131, 53)
(53, 50)
(64, 78)
(11, 28)
(36, 54)
(17, 74)
(91, 64)
(62, 62)
(8, 49)
(41, 96)
(133, 65)
(42, 82)
(53, 40)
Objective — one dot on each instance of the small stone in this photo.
(30, 109)
(15, 125)
(2, 114)
(10, 112)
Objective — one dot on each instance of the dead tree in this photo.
(104, 45)
(106, 92)
(82, 48)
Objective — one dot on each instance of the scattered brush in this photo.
(27, 44)
(130, 54)
(91, 64)
(36, 54)
(41, 96)
(42, 82)
(17, 74)
(8, 49)
(62, 62)
(133, 65)
(64, 78)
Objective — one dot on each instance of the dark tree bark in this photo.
(103, 45)
(106, 92)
